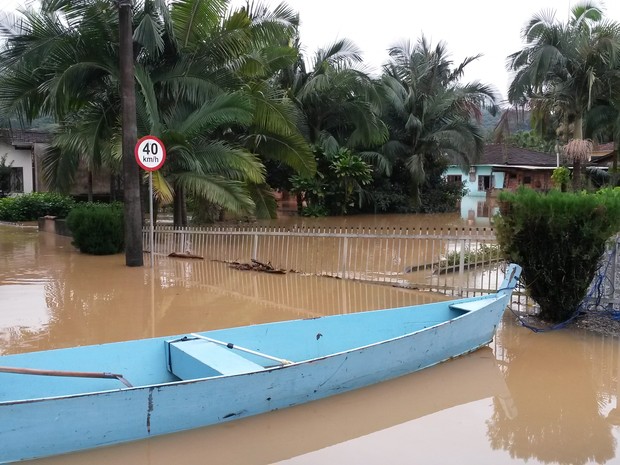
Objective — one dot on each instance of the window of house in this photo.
(527, 179)
(484, 183)
(17, 180)
(454, 179)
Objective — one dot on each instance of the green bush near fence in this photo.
(30, 207)
(559, 239)
(97, 228)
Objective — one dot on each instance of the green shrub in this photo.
(558, 238)
(97, 228)
(560, 178)
(29, 207)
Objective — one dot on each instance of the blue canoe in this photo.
(66, 400)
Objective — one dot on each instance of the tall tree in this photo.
(337, 97)
(131, 180)
(562, 66)
(430, 113)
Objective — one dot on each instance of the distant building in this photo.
(500, 167)
(603, 155)
(505, 167)
(24, 151)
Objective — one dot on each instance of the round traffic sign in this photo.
(150, 153)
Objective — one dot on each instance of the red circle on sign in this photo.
(150, 153)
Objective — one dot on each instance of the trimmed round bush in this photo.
(97, 228)
(559, 239)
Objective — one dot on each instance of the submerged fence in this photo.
(452, 260)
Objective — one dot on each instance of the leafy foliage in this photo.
(531, 140)
(560, 177)
(97, 228)
(559, 239)
(204, 74)
(30, 207)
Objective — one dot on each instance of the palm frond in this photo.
(194, 20)
(226, 109)
(162, 189)
(230, 195)
(151, 104)
(228, 161)
(150, 34)
(264, 201)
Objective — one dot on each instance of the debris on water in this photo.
(255, 265)
(185, 255)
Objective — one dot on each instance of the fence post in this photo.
(461, 267)
(343, 257)
(255, 247)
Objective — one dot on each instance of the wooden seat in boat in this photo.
(196, 358)
(470, 306)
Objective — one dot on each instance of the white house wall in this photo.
(21, 158)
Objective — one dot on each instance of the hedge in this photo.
(559, 239)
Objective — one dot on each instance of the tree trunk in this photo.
(576, 175)
(179, 209)
(614, 166)
(131, 172)
(578, 130)
(90, 186)
(300, 202)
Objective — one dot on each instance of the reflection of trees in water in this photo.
(557, 404)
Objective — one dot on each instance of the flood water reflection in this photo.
(528, 398)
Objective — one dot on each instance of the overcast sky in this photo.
(489, 27)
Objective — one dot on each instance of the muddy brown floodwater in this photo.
(549, 398)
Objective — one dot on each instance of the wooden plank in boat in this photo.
(471, 306)
(196, 358)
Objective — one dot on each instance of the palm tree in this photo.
(562, 66)
(337, 98)
(578, 151)
(339, 107)
(429, 112)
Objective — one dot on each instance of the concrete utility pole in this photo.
(131, 171)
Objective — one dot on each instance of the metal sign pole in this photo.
(151, 226)
(150, 154)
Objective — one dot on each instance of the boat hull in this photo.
(50, 426)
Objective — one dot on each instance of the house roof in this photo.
(603, 148)
(505, 155)
(24, 137)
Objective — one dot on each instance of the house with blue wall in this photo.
(500, 167)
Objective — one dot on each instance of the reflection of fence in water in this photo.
(447, 260)
(301, 296)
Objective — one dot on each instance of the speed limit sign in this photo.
(150, 153)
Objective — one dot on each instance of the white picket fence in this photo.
(462, 261)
